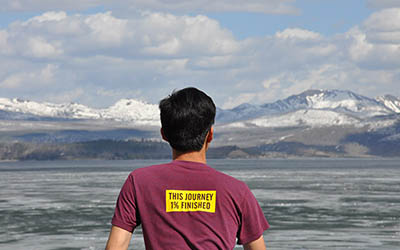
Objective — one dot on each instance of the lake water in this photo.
(310, 203)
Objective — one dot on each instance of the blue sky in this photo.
(257, 51)
(325, 17)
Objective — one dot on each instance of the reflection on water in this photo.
(310, 204)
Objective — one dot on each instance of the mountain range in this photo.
(125, 110)
(344, 106)
(312, 120)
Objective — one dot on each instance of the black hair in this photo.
(186, 117)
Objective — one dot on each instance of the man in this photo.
(185, 204)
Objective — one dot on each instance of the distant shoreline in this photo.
(107, 149)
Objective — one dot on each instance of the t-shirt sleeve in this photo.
(253, 222)
(126, 215)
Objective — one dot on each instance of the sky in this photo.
(96, 52)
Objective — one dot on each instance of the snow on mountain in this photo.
(391, 102)
(124, 110)
(304, 117)
(341, 101)
(132, 110)
(336, 100)
(345, 101)
(311, 108)
(71, 110)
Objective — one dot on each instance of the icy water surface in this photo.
(310, 203)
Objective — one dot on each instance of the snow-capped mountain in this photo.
(129, 110)
(126, 110)
(303, 117)
(391, 102)
(345, 101)
(45, 109)
(339, 101)
(310, 108)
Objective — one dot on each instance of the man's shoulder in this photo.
(150, 168)
(228, 179)
(166, 169)
(225, 176)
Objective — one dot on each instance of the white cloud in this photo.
(296, 33)
(30, 79)
(12, 81)
(106, 29)
(118, 93)
(38, 47)
(99, 58)
(360, 47)
(67, 96)
(259, 6)
(48, 16)
(272, 82)
(214, 62)
(4, 48)
(317, 77)
(375, 44)
(237, 100)
(384, 20)
(150, 34)
(166, 34)
(47, 73)
(295, 60)
(273, 54)
(390, 37)
(383, 26)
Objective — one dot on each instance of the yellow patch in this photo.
(190, 201)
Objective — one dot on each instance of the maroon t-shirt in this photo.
(188, 205)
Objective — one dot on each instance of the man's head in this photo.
(186, 118)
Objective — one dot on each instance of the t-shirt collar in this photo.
(189, 164)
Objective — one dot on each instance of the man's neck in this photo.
(195, 156)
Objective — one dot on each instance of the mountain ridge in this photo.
(124, 110)
(341, 103)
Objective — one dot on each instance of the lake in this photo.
(310, 203)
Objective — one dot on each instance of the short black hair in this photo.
(186, 117)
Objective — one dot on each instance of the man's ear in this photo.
(210, 134)
(162, 135)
